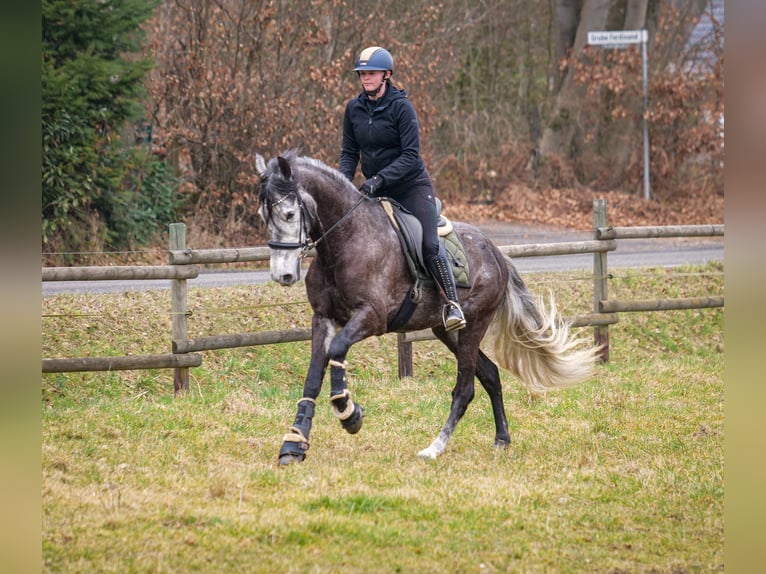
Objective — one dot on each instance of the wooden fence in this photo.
(183, 263)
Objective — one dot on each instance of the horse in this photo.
(359, 279)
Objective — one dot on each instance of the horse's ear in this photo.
(284, 167)
(260, 165)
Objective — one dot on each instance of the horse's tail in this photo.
(534, 343)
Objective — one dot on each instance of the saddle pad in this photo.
(410, 235)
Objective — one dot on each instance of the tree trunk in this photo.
(618, 142)
(567, 17)
(562, 137)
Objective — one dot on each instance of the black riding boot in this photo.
(441, 271)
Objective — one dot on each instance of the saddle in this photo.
(410, 234)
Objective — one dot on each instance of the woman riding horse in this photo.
(357, 283)
(380, 127)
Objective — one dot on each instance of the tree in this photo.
(496, 83)
(492, 104)
(92, 83)
(238, 76)
(595, 119)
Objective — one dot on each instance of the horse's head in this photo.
(289, 214)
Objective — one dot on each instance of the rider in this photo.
(381, 128)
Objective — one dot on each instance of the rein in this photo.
(307, 245)
(313, 244)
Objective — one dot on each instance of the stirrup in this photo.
(452, 317)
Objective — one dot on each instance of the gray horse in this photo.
(359, 280)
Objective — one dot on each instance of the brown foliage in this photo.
(235, 77)
(572, 208)
(685, 110)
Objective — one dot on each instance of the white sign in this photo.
(617, 37)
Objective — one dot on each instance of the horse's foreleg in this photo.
(347, 411)
(296, 442)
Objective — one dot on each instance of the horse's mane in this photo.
(298, 163)
(294, 158)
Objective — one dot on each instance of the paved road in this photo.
(630, 253)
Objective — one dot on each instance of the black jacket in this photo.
(385, 134)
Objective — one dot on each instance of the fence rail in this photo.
(120, 363)
(241, 255)
(660, 304)
(639, 232)
(563, 248)
(128, 272)
(183, 263)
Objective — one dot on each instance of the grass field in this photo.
(623, 473)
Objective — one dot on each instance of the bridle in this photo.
(302, 244)
(307, 244)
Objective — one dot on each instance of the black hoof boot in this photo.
(353, 424)
(295, 443)
(292, 452)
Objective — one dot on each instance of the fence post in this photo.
(600, 275)
(178, 291)
(404, 349)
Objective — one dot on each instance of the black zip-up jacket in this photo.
(386, 135)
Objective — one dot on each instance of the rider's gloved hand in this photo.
(371, 185)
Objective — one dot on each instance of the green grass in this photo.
(623, 473)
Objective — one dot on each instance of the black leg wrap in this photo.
(353, 424)
(349, 413)
(296, 442)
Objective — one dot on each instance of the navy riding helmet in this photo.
(376, 59)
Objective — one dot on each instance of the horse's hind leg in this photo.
(466, 353)
(489, 377)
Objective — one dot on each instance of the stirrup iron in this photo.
(452, 317)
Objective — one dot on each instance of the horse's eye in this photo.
(290, 215)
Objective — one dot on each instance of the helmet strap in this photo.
(376, 91)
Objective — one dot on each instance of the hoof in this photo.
(292, 452)
(289, 458)
(501, 444)
(429, 453)
(354, 423)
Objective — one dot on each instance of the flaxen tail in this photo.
(534, 343)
